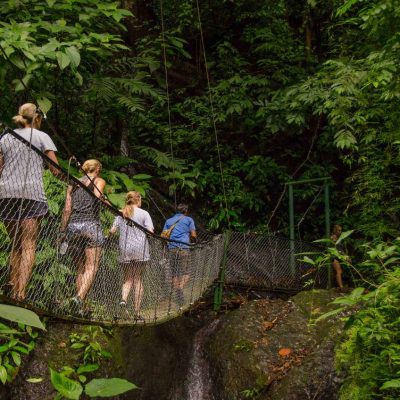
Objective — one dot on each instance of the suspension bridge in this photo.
(244, 259)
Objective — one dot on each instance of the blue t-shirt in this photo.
(181, 231)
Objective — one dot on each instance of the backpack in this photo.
(166, 233)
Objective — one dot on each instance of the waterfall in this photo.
(198, 381)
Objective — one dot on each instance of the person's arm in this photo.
(193, 233)
(148, 223)
(99, 186)
(115, 225)
(67, 209)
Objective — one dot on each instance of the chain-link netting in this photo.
(85, 270)
(101, 267)
(271, 262)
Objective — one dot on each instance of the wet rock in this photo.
(270, 349)
(154, 358)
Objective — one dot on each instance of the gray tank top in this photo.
(85, 207)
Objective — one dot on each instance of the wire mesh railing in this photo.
(45, 268)
(272, 262)
(83, 272)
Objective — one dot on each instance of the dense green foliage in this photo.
(299, 89)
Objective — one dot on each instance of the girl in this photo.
(23, 202)
(82, 214)
(337, 231)
(133, 248)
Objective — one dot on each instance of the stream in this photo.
(198, 381)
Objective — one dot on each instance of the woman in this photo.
(133, 248)
(84, 233)
(337, 231)
(23, 202)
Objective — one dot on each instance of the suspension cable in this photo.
(168, 98)
(213, 113)
(54, 132)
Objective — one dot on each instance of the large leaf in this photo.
(393, 384)
(20, 315)
(118, 199)
(63, 59)
(87, 368)
(73, 54)
(108, 387)
(66, 387)
(44, 104)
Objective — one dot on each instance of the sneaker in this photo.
(139, 318)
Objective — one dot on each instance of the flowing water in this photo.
(198, 383)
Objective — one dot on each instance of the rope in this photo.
(213, 114)
(168, 99)
(53, 130)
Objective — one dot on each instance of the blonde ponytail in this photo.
(28, 115)
(91, 166)
(132, 200)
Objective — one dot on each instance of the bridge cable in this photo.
(168, 98)
(213, 113)
(54, 132)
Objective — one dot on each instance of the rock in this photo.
(270, 349)
(154, 358)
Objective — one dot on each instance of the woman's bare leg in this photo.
(13, 231)
(80, 261)
(92, 260)
(338, 273)
(28, 231)
(138, 282)
(128, 282)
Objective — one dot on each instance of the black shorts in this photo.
(179, 260)
(14, 209)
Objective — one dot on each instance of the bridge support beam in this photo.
(290, 185)
(219, 289)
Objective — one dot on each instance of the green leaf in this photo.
(77, 345)
(108, 387)
(20, 315)
(329, 314)
(34, 380)
(67, 387)
(73, 54)
(3, 374)
(44, 104)
(63, 59)
(87, 368)
(393, 384)
(118, 199)
(16, 358)
(343, 236)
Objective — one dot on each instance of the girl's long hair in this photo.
(28, 115)
(132, 199)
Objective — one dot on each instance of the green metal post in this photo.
(327, 223)
(219, 289)
(291, 230)
(327, 210)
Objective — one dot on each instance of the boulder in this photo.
(155, 358)
(274, 350)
